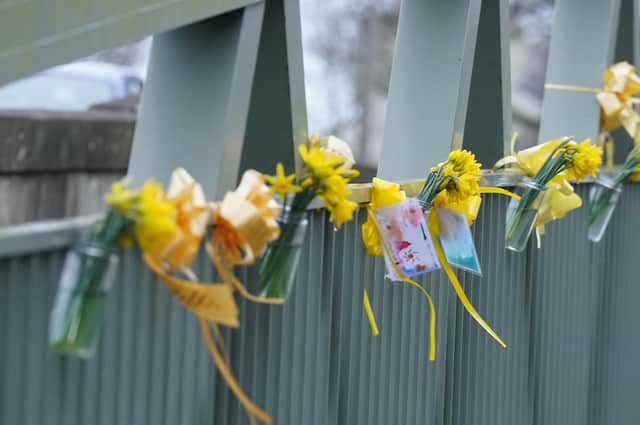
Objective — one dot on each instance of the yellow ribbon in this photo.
(244, 222)
(369, 311)
(459, 290)
(620, 84)
(383, 194)
(405, 278)
(386, 193)
(211, 303)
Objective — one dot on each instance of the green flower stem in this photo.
(78, 309)
(552, 166)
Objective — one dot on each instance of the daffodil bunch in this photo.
(551, 167)
(150, 217)
(453, 183)
(327, 170)
(167, 225)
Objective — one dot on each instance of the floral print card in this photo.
(404, 230)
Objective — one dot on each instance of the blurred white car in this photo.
(72, 87)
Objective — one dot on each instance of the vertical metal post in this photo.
(488, 126)
(429, 85)
(582, 46)
(278, 112)
(196, 100)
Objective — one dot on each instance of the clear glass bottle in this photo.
(603, 198)
(76, 318)
(521, 215)
(279, 262)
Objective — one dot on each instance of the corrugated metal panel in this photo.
(567, 312)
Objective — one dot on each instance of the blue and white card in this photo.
(457, 241)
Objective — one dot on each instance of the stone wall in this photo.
(55, 165)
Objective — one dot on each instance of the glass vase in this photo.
(521, 215)
(279, 263)
(76, 318)
(603, 198)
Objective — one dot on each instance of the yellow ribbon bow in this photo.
(616, 98)
(383, 194)
(192, 218)
(620, 84)
(245, 223)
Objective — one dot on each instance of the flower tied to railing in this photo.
(616, 100)
(547, 194)
(243, 224)
(605, 193)
(168, 227)
(452, 184)
(326, 172)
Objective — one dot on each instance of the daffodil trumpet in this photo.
(326, 172)
(547, 195)
(605, 193)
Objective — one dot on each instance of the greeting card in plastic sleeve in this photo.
(404, 230)
(457, 241)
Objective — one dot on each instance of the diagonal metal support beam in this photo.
(277, 113)
(429, 85)
(582, 46)
(196, 100)
(488, 126)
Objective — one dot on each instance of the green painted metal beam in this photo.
(195, 104)
(277, 119)
(582, 46)
(488, 126)
(429, 86)
(38, 34)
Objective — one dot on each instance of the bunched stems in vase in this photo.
(326, 173)
(605, 193)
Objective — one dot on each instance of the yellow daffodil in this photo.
(463, 187)
(281, 183)
(121, 197)
(155, 224)
(319, 162)
(334, 188)
(559, 199)
(530, 160)
(586, 160)
(342, 211)
(462, 161)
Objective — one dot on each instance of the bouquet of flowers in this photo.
(167, 225)
(605, 193)
(454, 184)
(547, 194)
(326, 172)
